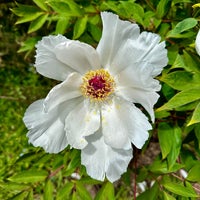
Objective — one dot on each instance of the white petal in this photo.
(79, 56)
(115, 131)
(144, 97)
(139, 76)
(138, 86)
(66, 90)
(101, 160)
(115, 34)
(126, 118)
(82, 121)
(46, 62)
(144, 53)
(197, 43)
(45, 129)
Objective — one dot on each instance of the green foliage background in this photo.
(29, 173)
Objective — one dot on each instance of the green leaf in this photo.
(167, 196)
(162, 8)
(150, 194)
(65, 191)
(62, 24)
(30, 195)
(172, 34)
(179, 189)
(180, 80)
(82, 191)
(13, 186)
(79, 27)
(197, 132)
(48, 190)
(165, 136)
(30, 176)
(170, 142)
(41, 4)
(106, 192)
(195, 116)
(24, 10)
(28, 45)
(66, 8)
(26, 13)
(161, 167)
(194, 173)
(178, 63)
(95, 32)
(37, 23)
(191, 62)
(20, 196)
(184, 25)
(182, 98)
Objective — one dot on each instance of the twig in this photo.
(56, 171)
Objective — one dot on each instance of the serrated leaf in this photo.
(37, 23)
(41, 4)
(82, 191)
(106, 192)
(167, 196)
(179, 189)
(65, 191)
(194, 173)
(79, 27)
(48, 190)
(182, 98)
(30, 176)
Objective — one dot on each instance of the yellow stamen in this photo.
(97, 85)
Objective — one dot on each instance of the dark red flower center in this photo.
(97, 83)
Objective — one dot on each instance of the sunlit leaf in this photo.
(62, 24)
(37, 23)
(106, 192)
(83, 192)
(167, 196)
(41, 4)
(29, 176)
(182, 98)
(79, 27)
(65, 191)
(48, 190)
(179, 189)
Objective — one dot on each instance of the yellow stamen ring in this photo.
(97, 85)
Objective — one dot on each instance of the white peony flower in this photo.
(93, 108)
(197, 43)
